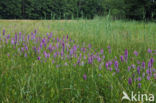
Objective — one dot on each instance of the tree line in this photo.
(72, 9)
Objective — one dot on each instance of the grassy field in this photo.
(76, 61)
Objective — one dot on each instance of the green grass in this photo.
(26, 80)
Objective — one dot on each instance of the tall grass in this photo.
(27, 80)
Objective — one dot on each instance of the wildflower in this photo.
(12, 41)
(75, 48)
(139, 85)
(39, 58)
(55, 54)
(130, 81)
(99, 59)
(100, 67)
(148, 77)
(110, 69)
(143, 75)
(103, 57)
(62, 53)
(25, 55)
(53, 61)
(71, 52)
(139, 78)
(126, 55)
(110, 63)
(67, 37)
(48, 55)
(107, 65)
(84, 76)
(82, 63)
(129, 68)
(26, 48)
(8, 54)
(138, 69)
(133, 66)
(45, 54)
(90, 59)
(8, 37)
(116, 64)
(3, 31)
(149, 50)
(65, 64)
(50, 48)
(101, 51)
(22, 49)
(143, 64)
(122, 58)
(89, 46)
(152, 61)
(28, 37)
(135, 53)
(63, 46)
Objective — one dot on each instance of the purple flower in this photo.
(71, 52)
(110, 69)
(99, 59)
(101, 51)
(50, 47)
(100, 67)
(22, 49)
(109, 47)
(139, 85)
(129, 68)
(130, 81)
(45, 54)
(152, 61)
(138, 69)
(122, 58)
(55, 54)
(53, 61)
(103, 57)
(39, 58)
(136, 53)
(65, 64)
(107, 65)
(143, 75)
(84, 76)
(89, 46)
(143, 64)
(110, 63)
(149, 50)
(148, 77)
(12, 41)
(3, 31)
(139, 78)
(26, 48)
(90, 59)
(116, 64)
(126, 55)
(48, 55)
(133, 66)
(8, 37)
(25, 55)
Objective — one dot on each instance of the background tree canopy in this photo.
(71, 9)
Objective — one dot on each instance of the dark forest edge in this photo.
(76, 9)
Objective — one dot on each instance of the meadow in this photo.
(76, 61)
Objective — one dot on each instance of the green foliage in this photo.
(69, 9)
